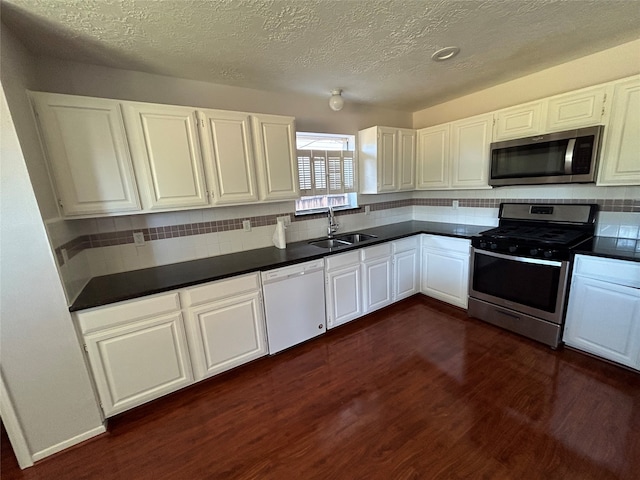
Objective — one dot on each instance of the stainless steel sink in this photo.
(355, 237)
(329, 243)
(342, 240)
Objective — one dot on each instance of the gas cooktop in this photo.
(535, 230)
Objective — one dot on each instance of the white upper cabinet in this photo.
(386, 160)
(276, 161)
(519, 121)
(86, 146)
(406, 159)
(577, 109)
(470, 141)
(228, 152)
(166, 152)
(378, 159)
(581, 108)
(432, 159)
(620, 158)
(455, 155)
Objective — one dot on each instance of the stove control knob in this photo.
(533, 251)
(483, 244)
(548, 253)
(513, 248)
(493, 246)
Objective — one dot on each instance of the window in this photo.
(327, 172)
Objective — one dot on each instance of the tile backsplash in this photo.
(86, 248)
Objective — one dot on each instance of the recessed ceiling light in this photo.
(445, 53)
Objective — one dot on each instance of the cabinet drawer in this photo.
(100, 318)
(344, 259)
(376, 251)
(405, 244)
(451, 244)
(220, 289)
(620, 272)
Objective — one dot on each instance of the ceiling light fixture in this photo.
(445, 53)
(336, 102)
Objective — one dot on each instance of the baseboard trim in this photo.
(68, 443)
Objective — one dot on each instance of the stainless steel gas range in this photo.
(519, 270)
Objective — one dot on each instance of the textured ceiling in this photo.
(377, 51)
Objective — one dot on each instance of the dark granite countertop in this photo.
(613, 247)
(137, 283)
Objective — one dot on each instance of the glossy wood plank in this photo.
(414, 391)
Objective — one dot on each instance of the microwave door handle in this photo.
(568, 156)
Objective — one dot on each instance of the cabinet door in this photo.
(387, 159)
(137, 362)
(620, 161)
(604, 319)
(226, 333)
(87, 150)
(228, 151)
(519, 121)
(344, 297)
(576, 109)
(377, 291)
(276, 161)
(432, 160)
(166, 154)
(405, 274)
(406, 159)
(470, 140)
(445, 276)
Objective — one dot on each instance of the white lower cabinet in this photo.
(141, 349)
(406, 267)
(376, 277)
(225, 324)
(137, 351)
(445, 269)
(603, 315)
(343, 288)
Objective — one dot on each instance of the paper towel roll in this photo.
(279, 239)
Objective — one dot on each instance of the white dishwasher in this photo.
(294, 304)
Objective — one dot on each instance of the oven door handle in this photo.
(537, 261)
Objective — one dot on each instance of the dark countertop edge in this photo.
(611, 252)
(384, 233)
(297, 252)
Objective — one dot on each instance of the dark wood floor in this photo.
(416, 391)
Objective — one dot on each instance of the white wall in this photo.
(18, 75)
(42, 364)
(612, 64)
(312, 113)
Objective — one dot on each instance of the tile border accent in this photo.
(78, 244)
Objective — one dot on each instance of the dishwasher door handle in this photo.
(291, 275)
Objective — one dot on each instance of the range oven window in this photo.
(529, 284)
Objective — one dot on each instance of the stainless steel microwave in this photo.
(562, 157)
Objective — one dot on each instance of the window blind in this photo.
(326, 172)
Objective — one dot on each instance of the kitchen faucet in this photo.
(333, 225)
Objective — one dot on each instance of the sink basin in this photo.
(330, 243)
(355, 237)
(342, 240)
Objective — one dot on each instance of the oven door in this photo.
(529, 285)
